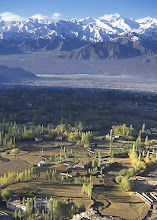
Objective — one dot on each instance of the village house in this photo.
(16, 205)
(151, 131)
(79, 165)
(41, 163)
(114, 137)
(42, 203)
(92, 145)
(38, 139)
(105, 162)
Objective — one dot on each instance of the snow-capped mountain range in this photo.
(90, 29)
(106, 37)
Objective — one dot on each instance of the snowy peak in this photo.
(110, 17)
(90, 29)
(146, 20)
(146, 23)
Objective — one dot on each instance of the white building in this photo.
(38, 139)
(16, 205)
(42, 203)
(79, 165)
(41, 163)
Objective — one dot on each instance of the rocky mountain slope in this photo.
(15, 74)
(109, 36)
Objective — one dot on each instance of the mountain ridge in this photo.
(107, 37)
(15, 74)
(88, 29)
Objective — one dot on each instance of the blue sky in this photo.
(67, 9)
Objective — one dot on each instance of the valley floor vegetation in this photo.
(64, 151)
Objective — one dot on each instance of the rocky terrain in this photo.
(93, 215)
(109, 36)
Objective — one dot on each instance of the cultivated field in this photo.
(108, 197)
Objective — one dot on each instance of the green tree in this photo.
(28, 208)
(21, 176)
(147, 159)
(125, 183)
(19, 214)
(51, 207)
(143, 128)
(6, 193)
(118, 179)
(123, 172)
(146, 142)
(15, 214)
(131, 172)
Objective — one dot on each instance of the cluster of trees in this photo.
(150, 142)
(124, 182)
(14, 177)
(138, 143)
(87, 188)
(63, 210)
(18, 214)
(123, 178)
(75, 134)
(63, 155)
(6, 193)
(29, 175)
(96, 164)
(96, 161)
(123, 130)
(11, 132)
(7, 133)
(70, 105)
(142, 160)
(51, 175)
(51, 209)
